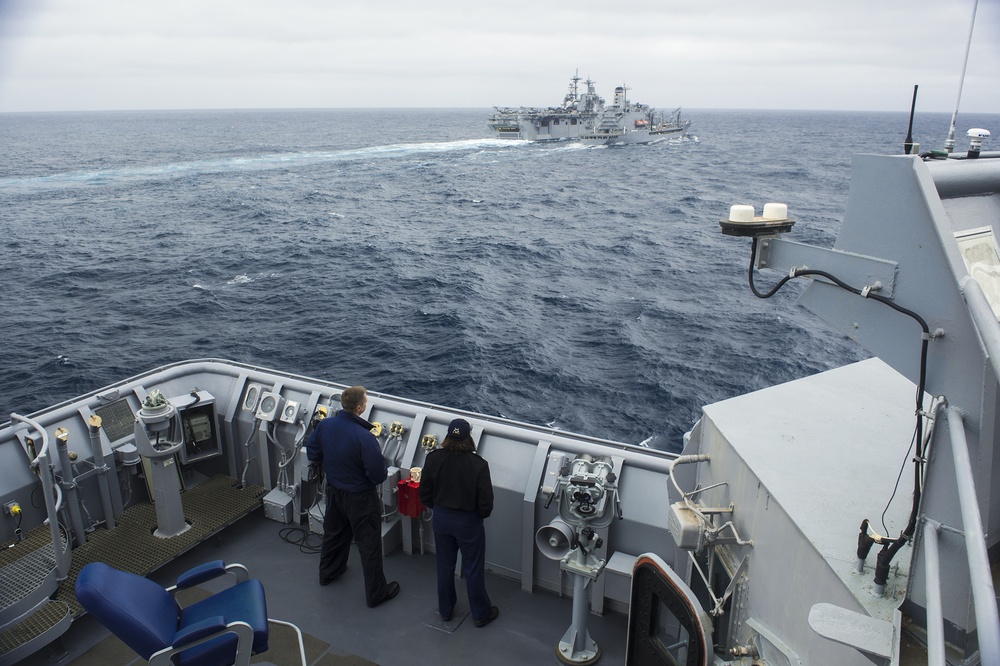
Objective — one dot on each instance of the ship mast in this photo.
(949, 144)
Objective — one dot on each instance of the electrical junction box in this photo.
(685, 526)
(316, 516)
(554, 466)
(389, 489)
(278, 506)
(269, 405)
(289, 412)
(252, 398)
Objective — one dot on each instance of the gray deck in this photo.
(400, 631)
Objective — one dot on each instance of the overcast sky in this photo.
(747, 54)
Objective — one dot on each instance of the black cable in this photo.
(300, 537)
(892, 546)
(896, 487)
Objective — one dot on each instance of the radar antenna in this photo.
(908, 144)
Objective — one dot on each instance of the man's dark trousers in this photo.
(358, 517)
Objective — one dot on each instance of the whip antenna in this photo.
(949, 144)
(908, 144)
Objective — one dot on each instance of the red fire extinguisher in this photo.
(409, 501)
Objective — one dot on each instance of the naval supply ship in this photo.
(584, 116)
(626, 122)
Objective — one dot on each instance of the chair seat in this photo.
(241, 603)
(136, 609)
(147, 618)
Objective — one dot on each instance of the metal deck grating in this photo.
(131, 546)
(208, 507)
(36, 624)
(25, 566)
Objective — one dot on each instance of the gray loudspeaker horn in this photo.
(554, 540)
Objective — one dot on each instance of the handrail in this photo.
(935, 616)
(980, 577)
(984, 319)
(49, 488)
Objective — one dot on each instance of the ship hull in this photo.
(536, 127)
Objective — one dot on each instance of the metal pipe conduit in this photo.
(49, 488)
(935, 616)
(981, 579)
(983, 319)
(69, 487)
(101, 468)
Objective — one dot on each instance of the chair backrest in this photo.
(140, 612)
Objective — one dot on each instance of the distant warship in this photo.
(583, 116)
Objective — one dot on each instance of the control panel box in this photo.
(270, 403)
(685, 527)
(316, 516)
(278, 506)
(198, 418)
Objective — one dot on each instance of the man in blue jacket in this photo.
(354, 467)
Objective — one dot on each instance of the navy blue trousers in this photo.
(353, 517)
(463, 531)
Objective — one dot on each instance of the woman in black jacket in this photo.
(455, 483)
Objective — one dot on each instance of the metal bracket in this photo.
(857, 270)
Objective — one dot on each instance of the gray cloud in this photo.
(853, 54)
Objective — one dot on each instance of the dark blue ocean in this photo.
(584, 288)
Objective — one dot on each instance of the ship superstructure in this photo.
(631, 122)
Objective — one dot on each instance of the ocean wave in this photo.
(556, 284)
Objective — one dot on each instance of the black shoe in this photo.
(494, 614)
(391, 591)
(445, 618)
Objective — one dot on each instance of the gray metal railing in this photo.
(935, 615)
(52, 494)
(980, 576)
(984, 320)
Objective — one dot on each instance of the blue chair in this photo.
(226, 628)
